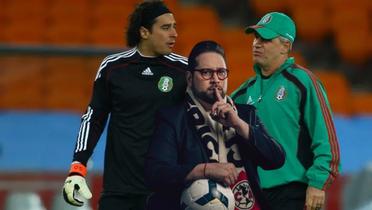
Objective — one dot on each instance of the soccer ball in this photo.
(205, 194)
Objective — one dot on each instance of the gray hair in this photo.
(284, 40)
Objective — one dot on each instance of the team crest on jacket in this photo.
(243, 194)
(165, 84)
(281, 94)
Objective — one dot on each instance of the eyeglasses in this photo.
(207, 73)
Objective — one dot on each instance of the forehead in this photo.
(210, 59)
(276, 39)
(164, 19)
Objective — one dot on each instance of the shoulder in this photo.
(116, 58)
(300, 76)
(242, 88)
(176, 61)
(122, 56)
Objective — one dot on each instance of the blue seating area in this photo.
(44, 141)
(40, 141)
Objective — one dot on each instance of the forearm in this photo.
(242, 129)
(198, 172)
(91, 128)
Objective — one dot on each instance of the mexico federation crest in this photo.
(243, 194)
(281, 94)
(266, 19)
(165, 84)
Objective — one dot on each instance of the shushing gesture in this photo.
(225, 114)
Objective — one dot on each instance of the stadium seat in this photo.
(313, 24)
(72, 35)
(236, 39)
(198, 17)
(118, 3)
(300, 60)
(67, 71)
(240, 66)
(68, 83)
(108, 24)
(353, 45)
(23, 17)
(262, 7)
(24, 201)
(21, 85)
(362, 103)
(69, 22)
(338, 91)
(204, 26)
(25, 94)
(187, 38)
(351, 42)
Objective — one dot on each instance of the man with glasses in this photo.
(208, 137)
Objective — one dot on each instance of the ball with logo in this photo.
(205, 194)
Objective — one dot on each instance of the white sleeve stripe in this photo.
(85, 141)
(179, 56)
(81, 129)
(116, 55)
(79, 136)
(114, 58)
(175, 59)
(84, 131)
(83, 136)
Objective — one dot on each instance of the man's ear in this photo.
(286, 48)
(189, 78)
(144, 32)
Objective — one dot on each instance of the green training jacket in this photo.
(294, 108)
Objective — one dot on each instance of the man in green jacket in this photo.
(293, 105)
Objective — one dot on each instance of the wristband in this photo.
(78, 168)
(205, 167)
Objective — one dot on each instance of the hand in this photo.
(224, 173)
(314, 198)
(75, 184)
(223, 112)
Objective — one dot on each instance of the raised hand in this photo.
(223, 112)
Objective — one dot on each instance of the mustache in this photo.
(212, 87)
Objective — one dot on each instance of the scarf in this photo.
(221, 147)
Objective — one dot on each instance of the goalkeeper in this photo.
(130, 87)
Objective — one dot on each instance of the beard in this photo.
(207, 96)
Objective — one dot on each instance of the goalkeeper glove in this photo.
(75, 185)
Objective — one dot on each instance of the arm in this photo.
(324, 145)
(162, 168)
(93, 121)
(92, 125)
(261, 147)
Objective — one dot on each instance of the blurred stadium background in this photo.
(50, 51)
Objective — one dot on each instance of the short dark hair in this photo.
(143, 15)
(203, 47)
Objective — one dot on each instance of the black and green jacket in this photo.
(293, 106)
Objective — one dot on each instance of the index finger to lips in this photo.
(218, 95)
